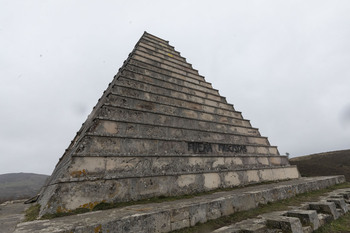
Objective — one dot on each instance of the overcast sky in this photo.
(284, 64)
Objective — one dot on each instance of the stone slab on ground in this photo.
(304, 218)
(168, 216)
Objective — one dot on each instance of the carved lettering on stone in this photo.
(205, 147)
(232, 148)
(199, 147)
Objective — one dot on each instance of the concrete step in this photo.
(176, 97)
(155, 38)
(136, 187)
(173, 84)
(125, 129)
(167, 69)
(307, 217)
(162, 53)
(158, 146)
(159, 46)
(164, 57)
(159, 42)
(147, 117)
(150, 81)
(113, 167)
(168, 216)
(161, 107)
(148, 59)
(153, 72)
(169, 62)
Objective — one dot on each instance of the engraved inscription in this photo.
(199, 147)
(232, 148)
(205, 147)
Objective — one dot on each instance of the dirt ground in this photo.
(11, 213)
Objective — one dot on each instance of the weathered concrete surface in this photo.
(167, 216)
(286, 224)
(339, 203)
(84, 193)
(325, 208)
(307, 217)
(11, 213)
(129, 166)
(160, 129)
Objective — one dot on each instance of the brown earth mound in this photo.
(324, 164)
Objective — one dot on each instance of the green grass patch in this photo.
(267, 208)
(62, 214)
(341, 225)
(32, 212)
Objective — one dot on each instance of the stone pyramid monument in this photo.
(159, 130)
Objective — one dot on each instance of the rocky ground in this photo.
(11, 213)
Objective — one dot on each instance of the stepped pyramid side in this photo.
(159, 130)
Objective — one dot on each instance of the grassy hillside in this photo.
(20, 185)
(324, 164)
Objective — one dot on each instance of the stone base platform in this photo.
(173, 215)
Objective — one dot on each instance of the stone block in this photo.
(198, 213)
(325, 207)
(246, 201)
(161, 222)
(227, 206)
(263, 161)
(214, 209)
(186, 180)
(252, 176)
(266, 175)
(306, 217)
(211, 181)
(179, 218)
(286, 224)
(275, 160)
(339, 203)
(231, 179)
